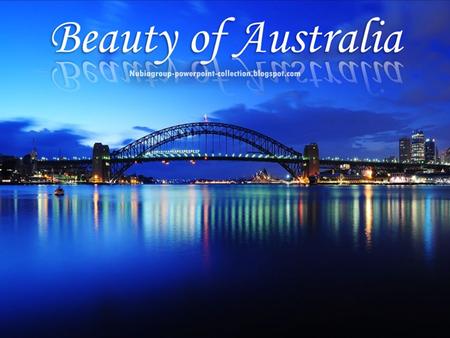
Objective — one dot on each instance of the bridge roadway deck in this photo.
(324, 163)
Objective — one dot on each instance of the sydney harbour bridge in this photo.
(206, 141)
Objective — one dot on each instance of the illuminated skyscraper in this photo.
(447, 156)
(430, 151)
(405, 150)
(418, 146)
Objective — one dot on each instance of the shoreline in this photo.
(221, 184)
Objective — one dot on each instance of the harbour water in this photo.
(218, 260)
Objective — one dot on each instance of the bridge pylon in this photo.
(312, 165)
(101, 165)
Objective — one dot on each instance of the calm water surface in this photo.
(181, 261)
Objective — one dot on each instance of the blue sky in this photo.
(362, 118)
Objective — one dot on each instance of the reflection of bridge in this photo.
(218, 141)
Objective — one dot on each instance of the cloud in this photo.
(18, 138)
(199, 7)
(419, 96)
(338, 131)
(146, 129)
(426, 42)
(426, 54)
(124, 143)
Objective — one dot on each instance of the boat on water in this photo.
(59, 191)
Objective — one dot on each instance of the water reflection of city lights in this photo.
(95, 202)
(368, 196)
(202, 215)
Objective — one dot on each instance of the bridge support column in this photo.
(312, 168)
(101, 166)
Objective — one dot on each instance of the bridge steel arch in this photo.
(123, 158)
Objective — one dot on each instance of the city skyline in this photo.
(404, 154)
(206, 142)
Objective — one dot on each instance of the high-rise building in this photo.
(447, 156)
(8, 172)
(430, 151)
(418, 146)
(100, 163)
(312, 168)
(405, 150)
(28, 165)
